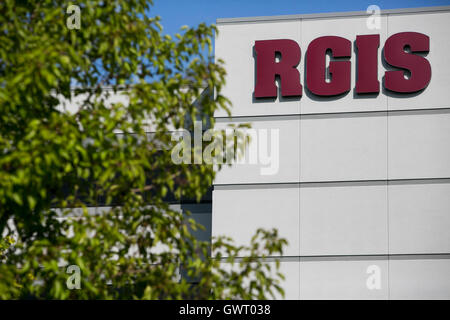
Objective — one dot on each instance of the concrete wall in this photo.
(362, 181)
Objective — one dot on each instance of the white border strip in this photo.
(329, 15)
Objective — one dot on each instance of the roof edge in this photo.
(329, 15)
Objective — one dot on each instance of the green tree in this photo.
(55, 162)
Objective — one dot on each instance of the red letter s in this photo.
(395, 55)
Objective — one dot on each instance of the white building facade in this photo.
(361, 189)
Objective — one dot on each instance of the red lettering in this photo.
(339, 70)
(418, 66)
(395, 54)
(267, 68)
(367, 68)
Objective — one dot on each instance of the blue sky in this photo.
(176, 13)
